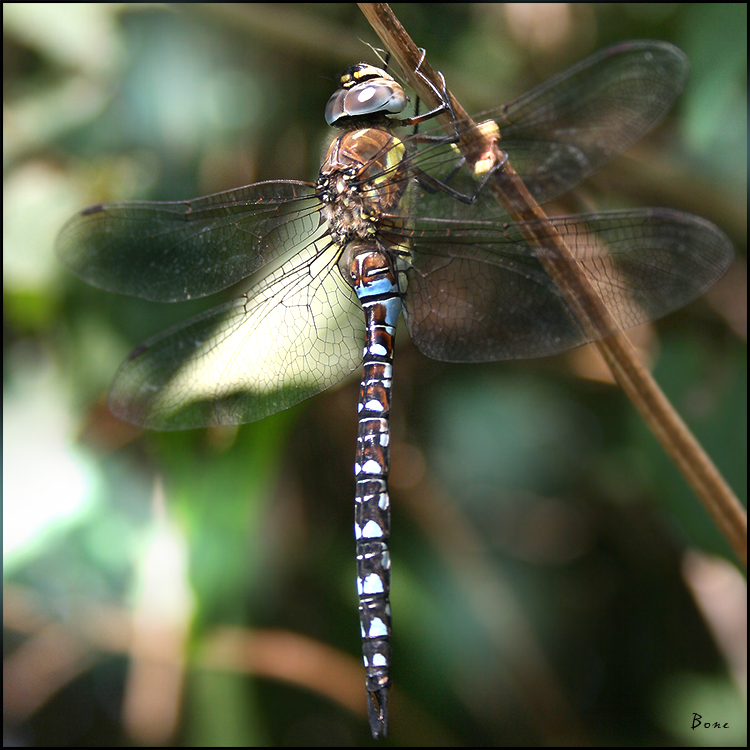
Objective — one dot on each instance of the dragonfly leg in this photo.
(445, 105)
(433, 185)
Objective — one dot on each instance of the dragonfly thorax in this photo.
(363, 176)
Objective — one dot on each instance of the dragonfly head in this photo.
(365, 91)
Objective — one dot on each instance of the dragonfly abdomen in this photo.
(375, 282)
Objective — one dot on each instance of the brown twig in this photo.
(628, 370)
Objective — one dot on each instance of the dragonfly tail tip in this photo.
(377, 708)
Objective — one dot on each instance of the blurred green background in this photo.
(554, 578)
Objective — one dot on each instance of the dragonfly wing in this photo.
(561, 132)
(480, 293)
(564, 130)
(296, 332)
(170, 252)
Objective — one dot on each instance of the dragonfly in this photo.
(394, 225)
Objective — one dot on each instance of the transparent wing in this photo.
(562, 131)
(296, 332)
(170, 252)
(480, 293)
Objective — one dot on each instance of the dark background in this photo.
(554, 578)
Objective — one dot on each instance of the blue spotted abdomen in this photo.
(375, 281)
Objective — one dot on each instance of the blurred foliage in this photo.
(566, 514)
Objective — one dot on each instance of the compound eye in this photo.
(365, 90)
